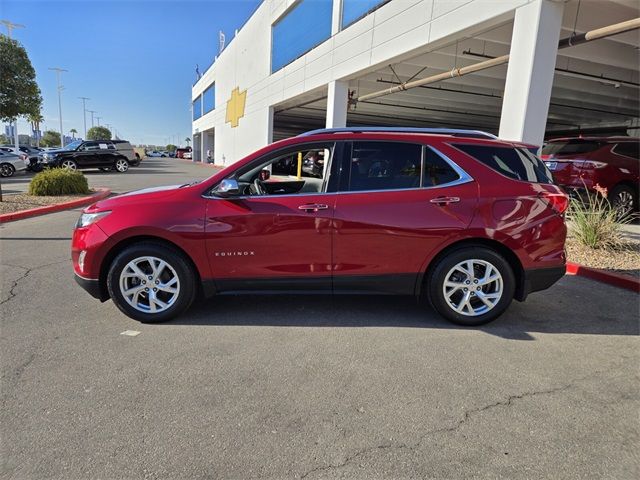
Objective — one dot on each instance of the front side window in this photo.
(384, 166)
(304, 170)
(628, 149)
(307, 25)
(89, 146)
(515, 163)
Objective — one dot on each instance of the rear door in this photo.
(398, 202)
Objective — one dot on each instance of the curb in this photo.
(34, 212)
(616, 279)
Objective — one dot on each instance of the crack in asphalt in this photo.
(27, 272)
(468, 414)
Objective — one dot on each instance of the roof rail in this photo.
(438, 131)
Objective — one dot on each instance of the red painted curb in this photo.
(619, 280)
(34, 212)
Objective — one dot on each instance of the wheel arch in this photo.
(506, 252)
(126, 242)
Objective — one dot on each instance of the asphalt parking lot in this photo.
(305, 387)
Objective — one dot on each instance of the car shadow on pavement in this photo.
(567, 308)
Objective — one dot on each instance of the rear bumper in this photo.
(92, 287)
(539, 279)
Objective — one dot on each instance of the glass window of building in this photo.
(307, 25)
(209, 98)
(354, 10)
(197, 107)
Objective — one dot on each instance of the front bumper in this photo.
(92, 287)
(535, 280)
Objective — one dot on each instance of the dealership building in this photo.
(524, 70)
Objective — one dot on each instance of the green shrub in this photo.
(58, 182)
(594, 223)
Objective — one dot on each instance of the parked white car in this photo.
(155, 153)
(188, 155)
(10, 164)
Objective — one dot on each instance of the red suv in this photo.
(582, 163)
(465, 219)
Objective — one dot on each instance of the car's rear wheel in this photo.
(471, 286)
(7, 170)
(69, 164)
(151, 282)
(624, 199)
(122, 165)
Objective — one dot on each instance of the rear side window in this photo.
(516, 163)
(628, 149)
(570, 147)
(385, 166)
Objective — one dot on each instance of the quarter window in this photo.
(516, 163)
(385, 166)
(436, 170)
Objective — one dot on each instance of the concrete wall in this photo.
(399, 29)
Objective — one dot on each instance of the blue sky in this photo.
(135, 59)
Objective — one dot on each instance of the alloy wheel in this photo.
(6, 170)
(149, 284)
(122, 165)
(69, 165)
(473, 287)
(623, 202)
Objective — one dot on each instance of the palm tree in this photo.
(73, 132)
(35, 120)
(188, 140)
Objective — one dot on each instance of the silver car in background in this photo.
(10, 163)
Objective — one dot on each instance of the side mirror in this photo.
(227, 188)
(265, 175)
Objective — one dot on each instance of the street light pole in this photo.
(84, 114)
(10, 26)
(58, 71)
(98, 119)
(92, 112)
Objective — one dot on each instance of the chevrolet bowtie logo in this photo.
(235, 107)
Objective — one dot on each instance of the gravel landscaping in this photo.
(625, 259)
(21, 201)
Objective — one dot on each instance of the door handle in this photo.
(444, 200)
(313, 207)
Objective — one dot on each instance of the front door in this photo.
(398, 202)
(276, 235)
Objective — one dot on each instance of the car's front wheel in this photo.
(471, 286)
(122, 165)
(7, 170)
(69, 164)
(151, 282)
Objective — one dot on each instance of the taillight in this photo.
(557, 201)
(588, 164)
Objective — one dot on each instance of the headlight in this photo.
(87, 219)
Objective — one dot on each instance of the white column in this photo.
(336, 17)
(337, 104)
(534, 45)
(202, 150)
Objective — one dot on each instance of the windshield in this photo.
(72, 145)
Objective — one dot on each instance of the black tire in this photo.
(624, 198)
(437, 276)
(7, 170)
(175, 259)
(37, 168)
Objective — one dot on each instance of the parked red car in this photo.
(465, 219)
(582, 163)
(181, 151)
